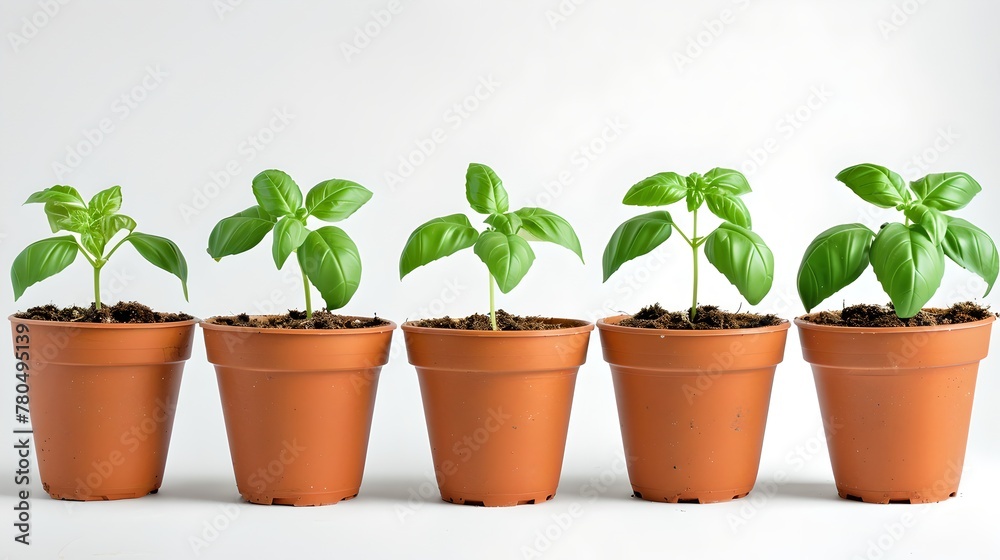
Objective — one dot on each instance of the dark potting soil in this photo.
(864, 315)
(707, 317)
(123, 312)
(505, 321)
(295, 319)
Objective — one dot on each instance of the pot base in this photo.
(499, 500)
(72, 495)
(320, 499)
(688, 497)
(896, 497)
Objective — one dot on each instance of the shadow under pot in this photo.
(298, 407)
(497, 405)
(692, 406)
(102, 399)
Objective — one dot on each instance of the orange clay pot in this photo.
(497, 406)
(896, 404)
(692, 407)
(102, 399)
(298, 406)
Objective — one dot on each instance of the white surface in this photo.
(555, 90)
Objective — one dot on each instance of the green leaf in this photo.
(728, 207)
(694, 199)
(504, 223)
(59, 194)
(659, 190)
(972, 249)
(336, 199)
(332, 263)
(162, 253)
(834, 260)
(548, 226)
(636, 237)
(239, 232)
(56, 213)
(41, 260)
(908, 265)
(743, 257)
(728, 180)
(435, 239)
(875, 184)
(105, 203)
(507, 256)
(110, 225)
(485, 190)
(946, 191)
(77, 221)
(289, 234)
(276, 193)
(935, 223)
(94, 242)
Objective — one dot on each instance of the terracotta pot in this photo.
(692, 407)
(896, 404)
(298, 408)
(497, 406)
(102, 399)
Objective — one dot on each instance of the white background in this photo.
(599, 98)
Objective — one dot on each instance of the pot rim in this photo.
(120, 326)
(208, 326)
(581, 326)
(808, 325)
(604, 325)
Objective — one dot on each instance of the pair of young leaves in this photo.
(908, 259)
(732, 248)
(327, 255)
(503, 247)
(96, 222)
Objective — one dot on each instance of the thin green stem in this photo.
(694, 253)
(97, 287)
(493, 308)
(115, 248)
(308, 290)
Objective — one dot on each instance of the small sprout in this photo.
(503, 247)
(327, 256)
(736, 251)
(908, 257)
(91, 226)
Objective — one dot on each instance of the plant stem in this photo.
(694, 254)
(97, 287)
(493, 312)
(305, 285)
